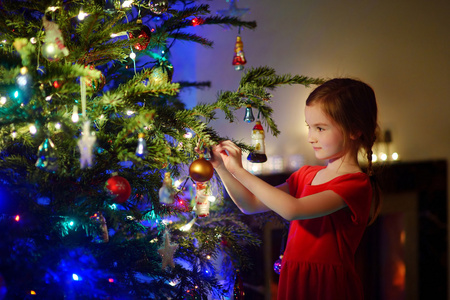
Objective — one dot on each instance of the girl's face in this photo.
(324, 134)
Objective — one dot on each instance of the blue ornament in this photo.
(47, 159)
(277, 265)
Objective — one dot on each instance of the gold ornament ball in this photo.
(201, 170)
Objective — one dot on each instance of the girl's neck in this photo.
(345, 164)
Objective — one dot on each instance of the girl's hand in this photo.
(226, 153)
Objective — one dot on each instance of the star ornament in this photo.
(167, 251)
(233, 10)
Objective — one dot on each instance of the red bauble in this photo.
(119, 187)
(144, 34)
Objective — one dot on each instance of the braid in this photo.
(369, 162)
(376, 199)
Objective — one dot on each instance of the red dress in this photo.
(318, 262)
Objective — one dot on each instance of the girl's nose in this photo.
(311, 138)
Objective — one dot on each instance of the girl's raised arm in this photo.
(252, 195)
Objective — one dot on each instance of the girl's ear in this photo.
(356, 135)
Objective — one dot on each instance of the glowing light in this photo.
(395, 156)
(177, 183)
(383, 156)
(14, 134)
(111, 280)
(33, 40)
(23, 70)
(32, 129)
(50, 49)
(17, 218)
(75, 116)
(32, 292)
(123, 33)
(71, 223)
(188, 135)
(48, 98)
(22, 80)
(127, 3)
(130, 112)
(76, 277)
(374, 157)
(3, 100)
(16, 94)
(208, 257)
(58, 125)
(82, 15)
(133, 55)
(211, 198)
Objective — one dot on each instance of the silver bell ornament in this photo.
(249, 117)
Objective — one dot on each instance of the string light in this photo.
(75, 277)
(82, 15)
(127, 3)
(3, 100)
(75, 116)
(17, 218)
(133, 55)
(395, 156)
(32, 129)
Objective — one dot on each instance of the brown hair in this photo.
(352, 105)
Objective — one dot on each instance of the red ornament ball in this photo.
(144, 34)
(119, 187)
(201, 170)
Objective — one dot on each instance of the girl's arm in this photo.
(261, 195)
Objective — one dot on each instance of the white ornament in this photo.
(86, 144)
(167, 251)
(167, 192)
(201, 201)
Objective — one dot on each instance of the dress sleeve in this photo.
(356, 191)
(299, 179)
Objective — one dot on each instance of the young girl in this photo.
(329, 206)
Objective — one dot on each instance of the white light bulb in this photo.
(3, 100)
(395, 156)
(383, 156)
(33, 129)
(133, 55)
(82, 15)
(127, 3)
(374, 157)
(75, 116)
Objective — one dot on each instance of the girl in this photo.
(329, 206)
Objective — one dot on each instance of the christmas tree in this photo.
(106, 190)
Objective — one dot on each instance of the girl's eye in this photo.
(320, 129)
